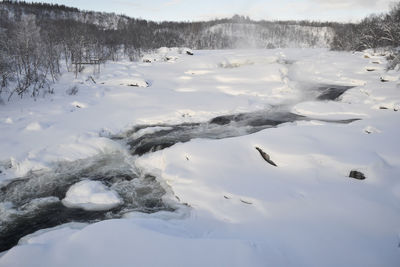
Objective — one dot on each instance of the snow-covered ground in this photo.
(239, 210)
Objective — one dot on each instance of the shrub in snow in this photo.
(394, 60)
(73, 90)
(28, 63)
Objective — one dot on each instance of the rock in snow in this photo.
(357, 175)
(266, 157)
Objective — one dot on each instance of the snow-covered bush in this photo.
(26, 62)
(394, 60)
(376, 30)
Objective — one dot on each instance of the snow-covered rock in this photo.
(91, 195)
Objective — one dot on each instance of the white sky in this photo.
(190, 10)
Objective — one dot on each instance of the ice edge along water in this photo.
(104, 184)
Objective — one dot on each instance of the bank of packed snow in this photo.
(243, 211)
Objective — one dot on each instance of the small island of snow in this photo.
(91, 195)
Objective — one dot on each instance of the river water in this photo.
(33, 202)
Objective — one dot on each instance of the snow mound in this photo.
(34, 126)
(128, 81)
(166, 54)
(79, 104)
(91, 195)
(327, 110)
(236, 63)
(138, 83)
(198, 72)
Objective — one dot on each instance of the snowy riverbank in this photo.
(241, 211)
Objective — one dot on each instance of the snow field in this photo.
(241, 210)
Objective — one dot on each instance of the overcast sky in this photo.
(190, 10)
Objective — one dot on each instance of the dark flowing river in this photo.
(33, 202)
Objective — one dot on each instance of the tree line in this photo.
(375, 31)
(38, 40)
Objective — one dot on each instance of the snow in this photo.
(245, 35)
(240, 210)
(330, 110)
(91, 195)
(162, 250)
(34, 126)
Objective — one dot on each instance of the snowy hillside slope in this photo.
(246, 35)
(106, 21)
(228, 33)
(199, 193)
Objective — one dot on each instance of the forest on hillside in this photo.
(37, 40)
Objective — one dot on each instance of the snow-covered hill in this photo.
(272, 35)
(106, 21)
(235, 32)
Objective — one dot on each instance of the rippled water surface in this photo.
(33, 202)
